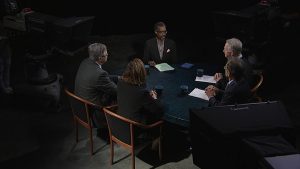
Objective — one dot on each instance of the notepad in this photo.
(187, 65)
(199, 93)
(206, 78)
(163, 67)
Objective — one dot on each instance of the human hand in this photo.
(151, 63)
(209, 87)
(153, 94)
(218, 76)
(212, 87)
(210, 91)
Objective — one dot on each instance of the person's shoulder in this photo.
(242, 84)
(87, 61)
(84, 63)
(151, 40)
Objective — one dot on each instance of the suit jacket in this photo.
(236, 92)
(136, 104)
(151, 52)
(93, 83)
(248, 74)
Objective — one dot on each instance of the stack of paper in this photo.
(164, 67)
(205, 78)
(199, 93)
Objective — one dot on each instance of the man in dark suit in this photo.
(160, 49)
(233, 50)
(93, 83)
(237, 90)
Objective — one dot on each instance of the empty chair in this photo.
(121, 132)
(81, 110)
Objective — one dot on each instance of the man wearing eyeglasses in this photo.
(237, 89)
(160, 49)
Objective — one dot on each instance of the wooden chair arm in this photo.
(261, 78)
(153, 125)
(110, 112)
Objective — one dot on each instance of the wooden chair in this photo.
(121, 132)
(259, 79)
(81, 110)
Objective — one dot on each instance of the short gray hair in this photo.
(96, 50)
(236, 45)
(159, 24)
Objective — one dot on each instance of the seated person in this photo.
(94, 84)
(134, 100)
(237, 90)
(160, 49)
(233, 50)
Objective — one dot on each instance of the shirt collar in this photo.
(229, 82)
(99, 65)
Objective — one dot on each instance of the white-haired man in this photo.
(93, 83)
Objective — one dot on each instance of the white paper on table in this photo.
(199, 93)
(206, 78)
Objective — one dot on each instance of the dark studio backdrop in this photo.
(187, 22)
(190, 24)
(124, 17)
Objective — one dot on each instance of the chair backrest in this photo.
(258, 79)
(121, 127)
(81, 108)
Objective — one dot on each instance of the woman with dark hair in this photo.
(134, 100)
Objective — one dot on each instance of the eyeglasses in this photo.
(162, 32)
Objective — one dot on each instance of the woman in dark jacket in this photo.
(134, 100)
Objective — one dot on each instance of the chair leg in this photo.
(111, 152)
(132, 158)
(91, 141)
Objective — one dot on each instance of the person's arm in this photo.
(106, 85)
(213, 101)
(228, 97)
(218, 76)
(210, 92)
(221, 84)
(114, 78)
(153, 106)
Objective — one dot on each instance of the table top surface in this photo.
(177, 105)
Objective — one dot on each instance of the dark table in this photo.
(177, 105)
(218, 134)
